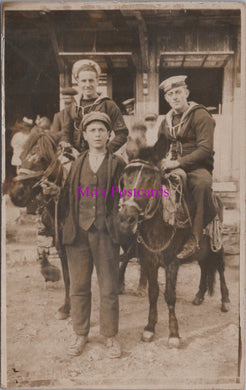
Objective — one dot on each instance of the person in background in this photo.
(129, 106)
(42, 123)
(136, 140)
(150, 120)
(21, 131)
(58, 120)
(86, 73)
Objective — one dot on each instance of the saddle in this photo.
(175, 209)
(178, 210)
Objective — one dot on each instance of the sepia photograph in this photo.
(123, 195)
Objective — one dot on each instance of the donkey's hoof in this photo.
(61, 315)
(225, 307)
(147, 336)
(141, 292)
(174, 342)
(197, 301)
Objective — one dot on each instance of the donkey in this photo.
(159, 243)
(40, 162)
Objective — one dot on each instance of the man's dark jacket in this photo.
(196, 135)
(69, 203)
(58, 121)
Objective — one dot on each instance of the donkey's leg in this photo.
(170, 297)
(202, 286)
(225, 305)
(129, 247)
(124, 262)
(141, 290)
(64, 310)
(151, 270)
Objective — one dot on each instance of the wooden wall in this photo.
(193, 38)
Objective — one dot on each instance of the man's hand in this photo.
(169, 164)
(64, 144)
(50, 188)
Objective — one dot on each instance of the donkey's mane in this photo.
(45, 142)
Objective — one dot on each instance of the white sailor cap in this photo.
(88, 65)
(173, 82)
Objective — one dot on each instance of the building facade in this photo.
(137, 49)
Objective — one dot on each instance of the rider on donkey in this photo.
(86, 73)
(188, 132)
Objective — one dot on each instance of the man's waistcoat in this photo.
(92, 208)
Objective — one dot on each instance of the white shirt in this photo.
(96, 160)
(17, 142)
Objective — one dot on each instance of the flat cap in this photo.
(86, 65)
(96, 116)
(68, 91)
(128, 101)
(173, 82)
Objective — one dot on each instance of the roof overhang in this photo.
(197, 59)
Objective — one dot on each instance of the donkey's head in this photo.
(139, 186)
(38, 155)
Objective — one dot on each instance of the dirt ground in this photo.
(37, 342)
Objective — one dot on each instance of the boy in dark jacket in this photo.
(187, 133)
(90, 234)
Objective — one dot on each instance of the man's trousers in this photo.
(200, 187)
(94, 247)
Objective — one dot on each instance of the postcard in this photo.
(123, 195)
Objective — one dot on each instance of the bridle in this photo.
(27, 174)
(147, 213)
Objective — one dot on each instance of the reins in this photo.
(48, 172)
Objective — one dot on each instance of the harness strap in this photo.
(141, 163)
(140, 240)
(26, 174)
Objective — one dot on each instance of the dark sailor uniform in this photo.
(190, 136)
(73, 116)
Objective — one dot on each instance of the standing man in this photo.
(188, 132)
(58, 120)
(90, 234)
(86, 74)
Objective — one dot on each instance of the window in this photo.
(123, 86)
